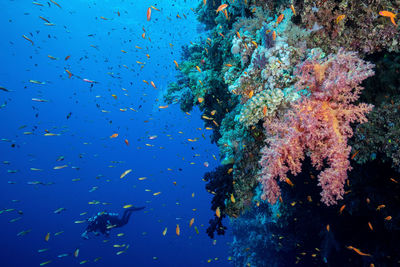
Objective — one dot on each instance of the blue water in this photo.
(85, 141)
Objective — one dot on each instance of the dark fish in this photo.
(4, 89)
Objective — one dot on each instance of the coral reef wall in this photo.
(302, 99)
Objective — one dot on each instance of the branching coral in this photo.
(318, 124)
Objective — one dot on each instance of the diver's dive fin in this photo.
(136, 208)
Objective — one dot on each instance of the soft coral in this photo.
(318, 123)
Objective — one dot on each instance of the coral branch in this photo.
(317, 124)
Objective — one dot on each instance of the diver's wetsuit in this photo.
(103, 222)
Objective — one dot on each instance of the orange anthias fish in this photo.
(388, 14)
(191, 222)
(221, 7)
(225, 13)
(358, 251)
(176, 64)
(341, 209)
(26, 38)
(287, 180)
(127, 142)
(218, 212)
(293, 10)
(265, 110)
(69, 73)
(177, 230)
(44, 19)
(274, 35)
(198, 69)
(114, 135)
(279, 19)
(355, 154)
(149, 14)
(152, 84)
(54, 2)
(340, 18)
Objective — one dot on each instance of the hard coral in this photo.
(318, 124)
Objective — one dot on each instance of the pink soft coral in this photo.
(318, 123)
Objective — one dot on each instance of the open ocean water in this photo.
(100, 41)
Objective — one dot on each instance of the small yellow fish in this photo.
(127, 206)
(76, 253)
(233, 200)
(125, 173)
(47, 237)
(51, 134)
(60, 167)
(156, 194)
(165, 231)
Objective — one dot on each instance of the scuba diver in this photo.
(103, 222)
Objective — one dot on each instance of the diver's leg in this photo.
(127, 214)
(85, 235)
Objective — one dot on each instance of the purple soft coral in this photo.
(318, 124)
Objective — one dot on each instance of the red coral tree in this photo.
(317, 124)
